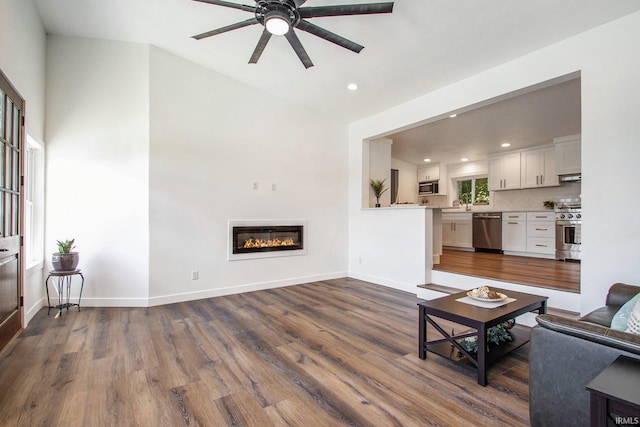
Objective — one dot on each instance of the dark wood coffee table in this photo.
(480, 319)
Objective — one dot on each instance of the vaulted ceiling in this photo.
(421, 46)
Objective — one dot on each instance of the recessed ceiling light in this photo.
(427, 160)
(352, 86)
(464, 159)
(505, 145)
(452, 115)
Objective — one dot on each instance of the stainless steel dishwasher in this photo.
(487, 231)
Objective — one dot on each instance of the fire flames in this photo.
(262, 243)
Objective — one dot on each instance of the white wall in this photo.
(380, 168)
(22, 60)
(608, 58)
(211, 139)
(97, 133)
(408, 180)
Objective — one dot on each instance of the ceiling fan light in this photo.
(277, 23)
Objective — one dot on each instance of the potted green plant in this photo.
(65, 259)
(377, 185)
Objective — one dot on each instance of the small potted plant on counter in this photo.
(64, 259)
(377, 185)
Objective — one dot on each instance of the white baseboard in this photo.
(190, 296)
(33, 310)
(389, 283)
(210, 293)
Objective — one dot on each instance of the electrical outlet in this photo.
(273, 187)
(255, 185)
(195, 275)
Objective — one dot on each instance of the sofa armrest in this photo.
(620, 293)
(564, 356)
(595, 333)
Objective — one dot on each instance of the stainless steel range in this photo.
(568, 232)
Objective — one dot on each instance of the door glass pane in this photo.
(14, 215)
(9, 119)
(2, 151)
(2, 98)
(16, 126)
(7, 214)
(16, 170)
(7, 166)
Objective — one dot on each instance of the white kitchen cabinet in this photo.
(514, 231)
(568, 154)
(457, 230)
(544, 216)
(504, 172)
(541, 233)
(435, 173)
(429, 173)
(538, 168)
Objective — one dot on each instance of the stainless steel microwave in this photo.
(427, 188)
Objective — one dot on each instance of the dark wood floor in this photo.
(339, 352)
(545, 273)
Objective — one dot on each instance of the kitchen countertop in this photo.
(406, 206)
(483, 209)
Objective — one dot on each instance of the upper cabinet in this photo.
(504, 172)
(429, 173)
(538, 168)
(435, 173)
(568, 154)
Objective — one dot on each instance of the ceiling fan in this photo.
(280, 17)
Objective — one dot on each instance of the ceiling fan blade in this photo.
(329, 36)
(235, 26)
(348, 9)
(294, 41)
(229, 4)
(262, 43)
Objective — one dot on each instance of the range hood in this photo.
(574, 177)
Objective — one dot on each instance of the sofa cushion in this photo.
(603, 316)
(633, 325)
(620, 318)
(592, 332)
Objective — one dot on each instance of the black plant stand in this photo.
(64, 281)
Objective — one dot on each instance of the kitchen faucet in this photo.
(465, 198)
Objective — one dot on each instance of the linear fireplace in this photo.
(266, 238)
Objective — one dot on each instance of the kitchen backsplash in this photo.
(533, 198)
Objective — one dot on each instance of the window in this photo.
(473, 190)
(33, 203)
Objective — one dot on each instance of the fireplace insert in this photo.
(267, 238)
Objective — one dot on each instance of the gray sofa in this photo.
(565, 355)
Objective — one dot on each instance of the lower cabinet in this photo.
(457, 230)
(529, 234)
(514, 231)
(541, 229)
